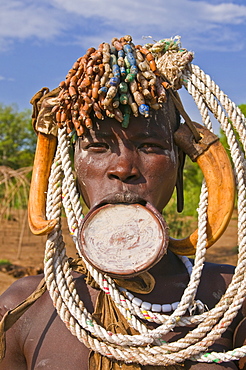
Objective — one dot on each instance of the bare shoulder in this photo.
(13, 296)
(18, 292)
(221, 272)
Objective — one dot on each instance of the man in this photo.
(137, 164)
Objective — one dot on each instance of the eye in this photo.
(97, 147)
(151, 148)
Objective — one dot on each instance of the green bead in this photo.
(123, 99)
(127, 64)
(130, 77)
(123, 88)
(125, 122)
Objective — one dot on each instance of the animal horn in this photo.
(45, 150)
(213, 160)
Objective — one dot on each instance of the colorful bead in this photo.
(126, 119)
(103, 90)
(122, 71)
(127, 48)
(121, 54)
(130, 77)
(144, 110)
(134, 69)
(114, 81)
(123, 88)
(123, 99)
(116, 70)
(131, 59)
(127, 63)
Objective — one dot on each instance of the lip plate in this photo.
(123, 240)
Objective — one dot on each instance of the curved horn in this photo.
(213, 160)
(46, 146)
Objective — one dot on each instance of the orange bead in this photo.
(88, 123)
(152, 65)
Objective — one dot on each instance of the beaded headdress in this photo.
(118, 80)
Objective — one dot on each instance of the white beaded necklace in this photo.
(165, 308)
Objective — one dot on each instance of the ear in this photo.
(180, 182)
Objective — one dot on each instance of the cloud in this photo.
(88, 22)
(2, 78)
(22, 19)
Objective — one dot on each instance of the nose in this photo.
(124, 168)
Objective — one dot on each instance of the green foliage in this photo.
(5, 262)
(223, 138)
(17, 138)
(243, 108)
(181, 224)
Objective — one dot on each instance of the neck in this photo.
(169, 265)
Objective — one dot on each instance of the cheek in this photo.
(162, 180)
(90, 175)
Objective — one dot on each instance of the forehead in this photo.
(158, 126)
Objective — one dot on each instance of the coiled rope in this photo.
(147, 347)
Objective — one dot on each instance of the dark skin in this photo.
(115, 162)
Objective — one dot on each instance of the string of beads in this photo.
(115, 80)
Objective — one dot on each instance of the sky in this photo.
(40, 41)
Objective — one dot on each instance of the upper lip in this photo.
(122, 197)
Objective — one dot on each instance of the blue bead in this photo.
(127, 48)
(131, 59)
(134, 70)
(121, 54)
(122, 71)
(103, 89)
(116, 70)
(144, 110)
(114, 81)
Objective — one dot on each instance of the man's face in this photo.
(111, 162)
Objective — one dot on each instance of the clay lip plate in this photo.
(123, 239)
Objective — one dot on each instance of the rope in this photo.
(147, 347)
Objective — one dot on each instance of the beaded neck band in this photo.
(118, 80)
(165, 308)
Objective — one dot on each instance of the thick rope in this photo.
(210, 324)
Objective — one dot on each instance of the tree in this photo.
(17, 138)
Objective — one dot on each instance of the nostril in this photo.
(112, 176)
(121, 177)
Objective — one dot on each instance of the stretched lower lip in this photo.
(122, 197)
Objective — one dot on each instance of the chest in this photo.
(47, 342)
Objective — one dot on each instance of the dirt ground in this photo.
(25, 251)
